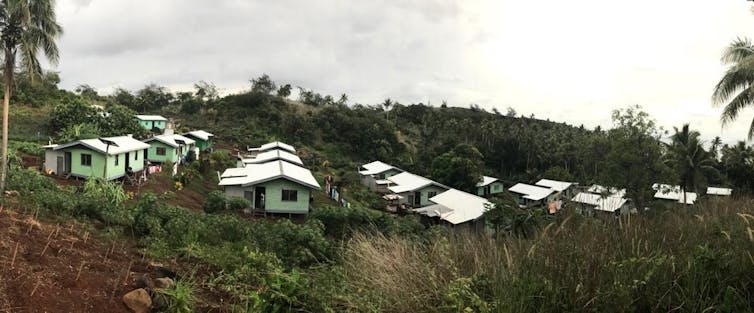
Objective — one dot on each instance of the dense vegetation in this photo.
(362, 260)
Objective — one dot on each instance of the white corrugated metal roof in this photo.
(275, 145)
(554, 184)
(608, 204)
(122, 144)
(530, 192)
(673, 192)
(200, 134)
(410, 182)
(259, 173)
(463, 206)
(376, 167)
(172, 140)
(274, 155)
(718, 191)
(599, 189)
(486, 180)
(151, 117)
(435, 210)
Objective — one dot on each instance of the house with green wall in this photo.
(273, 187)
(374, 175)
(528, 196)
(203, 140)
(489, 186)
(173, 148)
(109, 157)
(155, 123)
(414, 190)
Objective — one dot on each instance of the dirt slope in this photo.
(45, 277)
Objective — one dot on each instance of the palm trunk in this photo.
(8, 79)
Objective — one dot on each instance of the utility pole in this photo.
(108, 143)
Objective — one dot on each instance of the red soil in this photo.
(43, 275)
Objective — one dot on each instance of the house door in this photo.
(67, 162)
(417, 199)
(128, 161)
(259, 199)
(60, 166)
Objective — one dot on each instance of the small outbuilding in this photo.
(489, 186)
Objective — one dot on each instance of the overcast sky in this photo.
(572, 61)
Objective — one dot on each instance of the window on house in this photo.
(431, 194)
(136, 156)
(161, 151)
(117, 159)
(86, 159)
(290, 195)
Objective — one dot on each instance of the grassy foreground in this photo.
(680, 260)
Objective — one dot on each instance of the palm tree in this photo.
(715, 146)
(687, 156)
(26, 28)
(736, 87)
(738, 163)
(387, 104)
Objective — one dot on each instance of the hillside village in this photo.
(273, 179)
(450, 166)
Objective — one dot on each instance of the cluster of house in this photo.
(272, 178)
(410, 192)
(674, 193)
(124, 156)
(404, 190)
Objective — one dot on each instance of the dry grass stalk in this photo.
(15, 252)
(81, 267)
(46, 246)
(39, 282)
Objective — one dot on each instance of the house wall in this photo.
(274, 194)
(171, 154)
(203, 145)
(148, 124)
(97, 167)
(51, 161)
(425, 194)
(495, 188)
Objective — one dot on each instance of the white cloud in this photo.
(572, 61)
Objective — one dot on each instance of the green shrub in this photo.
(236, 204)
(27, 180)
(215, 202)
(181, 298)
(55, 201)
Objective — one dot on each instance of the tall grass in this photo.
(681, 260)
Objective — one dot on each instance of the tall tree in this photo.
(634, 157)
(738, 164)
(736, 87)
(688, 158)
(461, 168)
(715, 146)
(26, 28)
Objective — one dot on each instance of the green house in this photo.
(274, 187)
(374, 175)
(528, 196)
(173, 148)
(489, 186)
(203, 139)
(414, 190)
(109, 157)
(152, 122)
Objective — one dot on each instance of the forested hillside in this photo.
(358, 259)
